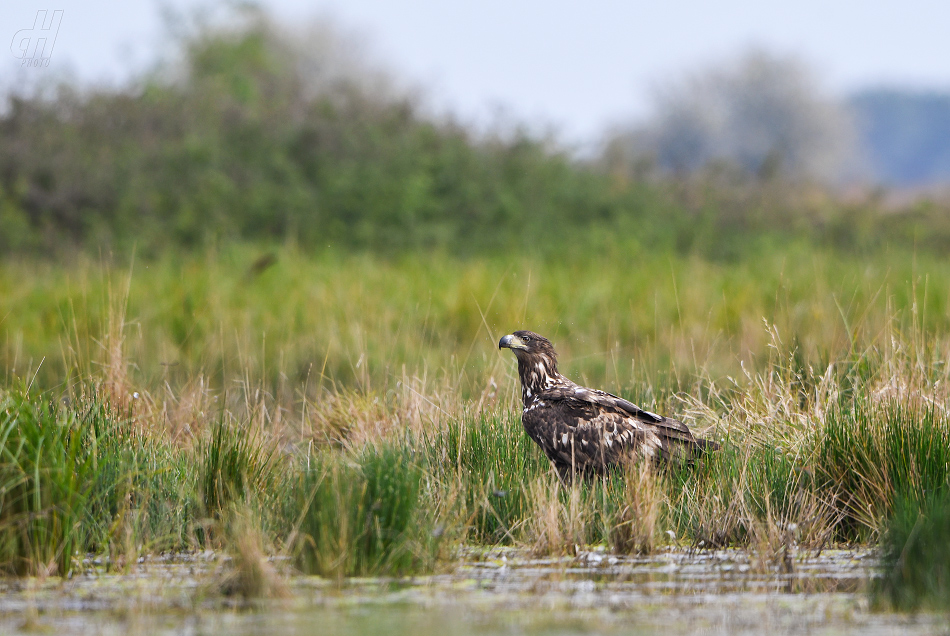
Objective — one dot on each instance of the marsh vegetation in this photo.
(369, 425)
(279, 340)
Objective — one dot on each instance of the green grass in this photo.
(876, 454)
(142, 496)
(915, 571)
(354, 413)
(491, 462)
(47, 469)
(646, 326)
(367, 514)
(234, 465)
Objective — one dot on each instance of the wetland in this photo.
(494, 591)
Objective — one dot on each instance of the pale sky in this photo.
(573, 66)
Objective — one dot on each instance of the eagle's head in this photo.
(537, 360)
(528, 344)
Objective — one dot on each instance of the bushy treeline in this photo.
(238, 142)
(256, 133)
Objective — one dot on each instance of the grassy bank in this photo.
(353, 413)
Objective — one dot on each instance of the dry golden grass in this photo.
(251, 573)
(636, 529)
(557, 520)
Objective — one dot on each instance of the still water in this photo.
(498, 591)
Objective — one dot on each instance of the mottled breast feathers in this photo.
(584, 430)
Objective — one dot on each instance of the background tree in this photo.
(763, 114)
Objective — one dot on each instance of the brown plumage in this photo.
(583, 430)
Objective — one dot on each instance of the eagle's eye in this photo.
(526, 339)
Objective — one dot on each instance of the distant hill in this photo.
(905, 135)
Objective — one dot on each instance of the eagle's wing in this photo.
(592, 407)
(664, 426)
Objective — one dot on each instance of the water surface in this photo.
(497, 591)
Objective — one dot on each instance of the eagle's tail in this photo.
(706, 446)
(688, 451)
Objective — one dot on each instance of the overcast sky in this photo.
(574, 66)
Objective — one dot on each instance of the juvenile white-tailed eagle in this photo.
(583, 430)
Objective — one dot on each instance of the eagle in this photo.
(586, 431)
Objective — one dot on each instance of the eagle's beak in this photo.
(510, 341)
